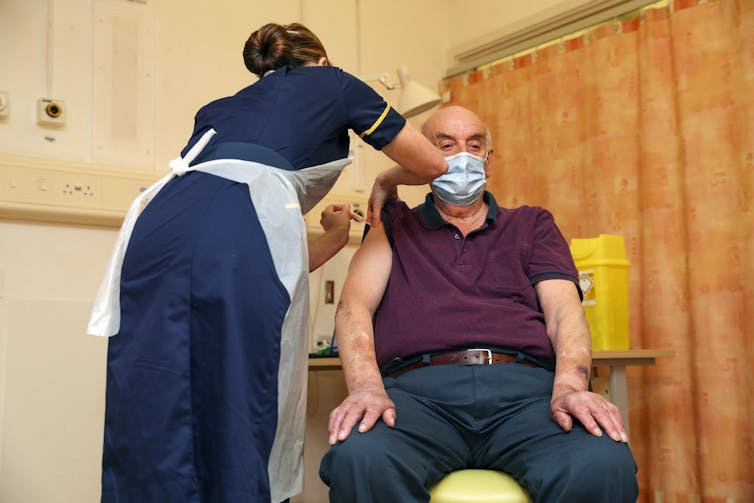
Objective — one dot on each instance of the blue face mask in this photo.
(464, 181)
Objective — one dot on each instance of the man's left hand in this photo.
(592, 410)
(382, 191)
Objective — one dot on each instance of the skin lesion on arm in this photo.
(583, 371)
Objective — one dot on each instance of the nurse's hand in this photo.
(365, 407)
(336, 221)
(336, 218)
(383, 190)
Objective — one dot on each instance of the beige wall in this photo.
(51, 374)
(494, 16)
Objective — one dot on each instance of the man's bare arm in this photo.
(362, 292)
(568, 330)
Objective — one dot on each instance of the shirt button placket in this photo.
(461, 245)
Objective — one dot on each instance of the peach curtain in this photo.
(645, 128)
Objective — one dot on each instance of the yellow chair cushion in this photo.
(478, 486)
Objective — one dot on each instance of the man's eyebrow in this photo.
(447, 136)
(443, 136)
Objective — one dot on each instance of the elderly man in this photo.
(464, 345)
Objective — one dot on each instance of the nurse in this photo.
(207, 293)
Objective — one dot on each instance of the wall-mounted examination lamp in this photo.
(415, 98)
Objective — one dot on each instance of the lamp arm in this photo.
(382, 78)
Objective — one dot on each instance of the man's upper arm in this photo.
(369, 271)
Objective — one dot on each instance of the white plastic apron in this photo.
(280, 198)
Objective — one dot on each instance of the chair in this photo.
(478, 486)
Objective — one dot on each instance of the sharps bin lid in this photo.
(607, 249)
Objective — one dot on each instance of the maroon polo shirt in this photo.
(449, 292)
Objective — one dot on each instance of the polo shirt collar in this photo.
(432, 220)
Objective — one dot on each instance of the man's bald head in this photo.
(457, 129)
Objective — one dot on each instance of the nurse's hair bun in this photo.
(274, 46)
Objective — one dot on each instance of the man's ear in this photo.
(323, 62)
(488, 164)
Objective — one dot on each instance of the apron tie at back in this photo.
(180, 165)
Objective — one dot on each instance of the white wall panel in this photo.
(124, 73)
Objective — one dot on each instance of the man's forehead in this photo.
(457, 124)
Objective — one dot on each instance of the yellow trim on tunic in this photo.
(376, 123)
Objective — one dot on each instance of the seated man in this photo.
(460, 327)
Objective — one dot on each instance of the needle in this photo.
(357, 217)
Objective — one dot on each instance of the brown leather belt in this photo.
(475, 356)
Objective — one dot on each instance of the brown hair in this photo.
(273, 46)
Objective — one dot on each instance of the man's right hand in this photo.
(367, 405)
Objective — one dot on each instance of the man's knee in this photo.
(603, 473)
(356, 458)
(616, 466)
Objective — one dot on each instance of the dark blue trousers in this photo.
(451, 417)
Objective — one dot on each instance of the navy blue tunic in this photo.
(191, 408)
(295, 112)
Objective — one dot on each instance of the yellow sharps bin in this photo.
(603, 276)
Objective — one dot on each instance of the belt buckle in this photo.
(488, 351)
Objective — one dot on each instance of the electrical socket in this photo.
(51, 112)
(4, 103)
(77, 189)
(329, 291)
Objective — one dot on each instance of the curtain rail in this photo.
(537, 30)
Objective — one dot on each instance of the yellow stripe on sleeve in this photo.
(376, 123)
